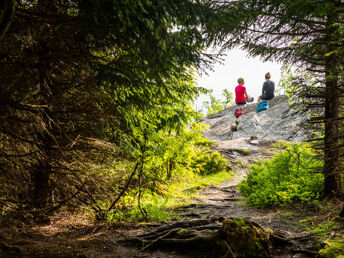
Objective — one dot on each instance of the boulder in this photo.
(244, 238)
(279, 122)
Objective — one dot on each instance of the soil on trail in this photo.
(68, 236)
(225, 201)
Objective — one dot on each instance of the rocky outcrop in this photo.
(279, 122)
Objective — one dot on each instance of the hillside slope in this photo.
(279, 122)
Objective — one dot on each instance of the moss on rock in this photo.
(244, 238)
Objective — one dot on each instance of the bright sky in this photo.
(235, 65)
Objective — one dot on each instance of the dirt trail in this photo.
(67, 237)
(224, 201)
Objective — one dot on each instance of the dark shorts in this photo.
(266, 98)
(241, 103)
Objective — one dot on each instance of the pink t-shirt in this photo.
(240, 94)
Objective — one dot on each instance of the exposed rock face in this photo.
(279, 122)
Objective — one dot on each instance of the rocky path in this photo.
(224, 200)
(217, 203)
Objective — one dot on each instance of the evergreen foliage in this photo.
(216, 105)
(90, 89)
(308, 35)
(96, 96)
(229, 100)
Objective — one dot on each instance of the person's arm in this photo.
(245, 94)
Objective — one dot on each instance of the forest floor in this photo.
(68, 235)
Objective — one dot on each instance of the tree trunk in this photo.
(6, 19)
(48, 93)
(331, 169)
(41, 184)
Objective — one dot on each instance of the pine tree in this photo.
(74, 72)
(308, 35)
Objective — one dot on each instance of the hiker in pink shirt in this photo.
(240, 92)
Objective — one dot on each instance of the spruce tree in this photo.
(74, 72)
(308, 35)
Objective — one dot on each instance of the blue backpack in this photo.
(263, 105)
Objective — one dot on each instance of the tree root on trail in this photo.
(227, 200)
(238, 237)
(181, 224)
(205, 206)
(190, 214)
(218, 237)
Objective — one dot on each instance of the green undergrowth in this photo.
(334, 247)
(328, 227)
(290, 176)
(166, 169)
(331, 236)
(161, 207)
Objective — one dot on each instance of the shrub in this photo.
(207, 163)
(290, 176)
